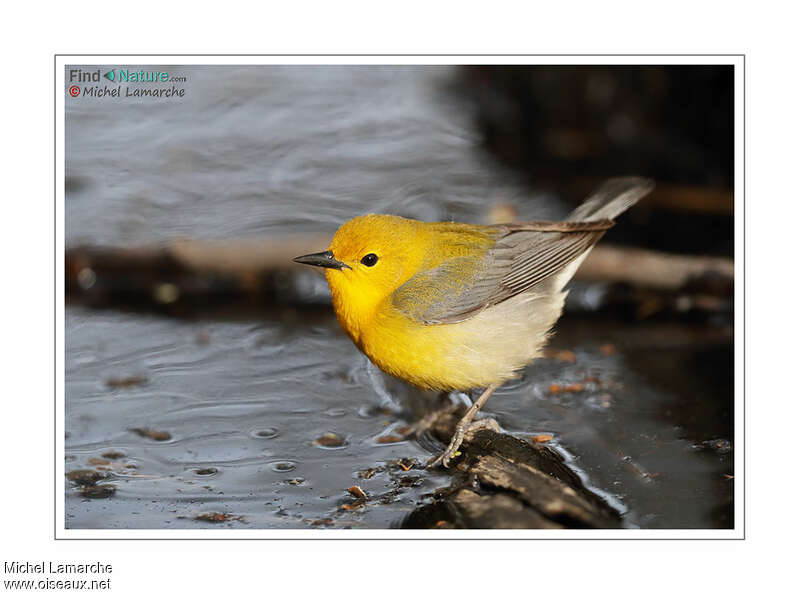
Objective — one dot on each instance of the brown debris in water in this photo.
(567, 388)
(408, 481)
(158, 435)
(330, 440)
(390, 439)
(368, 473)
(360, 498)
(87, 480)
(125, 381)
(562, 355)
(357, 492)
(217, 517)
(326, 522)
(102, 490)
(85, 477)
(405, 464)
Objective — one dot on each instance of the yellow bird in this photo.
(453, 306)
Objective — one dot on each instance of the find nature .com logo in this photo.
(127, 83)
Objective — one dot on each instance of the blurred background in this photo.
(208, 383)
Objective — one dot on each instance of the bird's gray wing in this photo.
(524, 256)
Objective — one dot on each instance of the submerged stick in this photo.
(248, 266)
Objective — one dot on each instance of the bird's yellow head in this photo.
(368, 259)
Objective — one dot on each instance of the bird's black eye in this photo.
(369, 260)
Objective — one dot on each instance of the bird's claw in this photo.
(444, 458)
(461, 432)
(433, 462)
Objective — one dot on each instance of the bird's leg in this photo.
(465, 426)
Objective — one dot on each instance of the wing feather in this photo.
(523, 257)
(518, 262)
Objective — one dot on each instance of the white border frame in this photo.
(61, 533)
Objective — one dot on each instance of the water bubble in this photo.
(206, 471)
(265, 433)
(283, 466)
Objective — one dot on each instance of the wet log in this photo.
(502, 482)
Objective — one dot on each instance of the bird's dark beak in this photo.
(322, 259)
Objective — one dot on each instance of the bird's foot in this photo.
(463, 430)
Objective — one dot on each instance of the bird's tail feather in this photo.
(614, 197)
